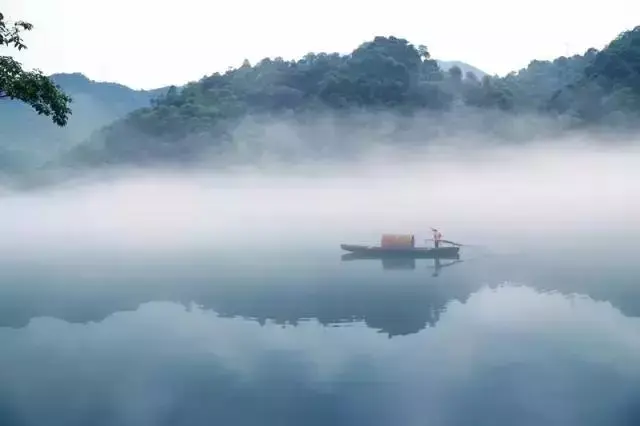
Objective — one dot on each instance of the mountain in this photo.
(202, 119)
(609, 87)
(464, 67)
(28, 139)
(388, 74)
(232, 112)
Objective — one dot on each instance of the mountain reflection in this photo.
(395, 304)
(395, 298)
(508, 355)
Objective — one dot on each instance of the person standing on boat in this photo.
(437, 236)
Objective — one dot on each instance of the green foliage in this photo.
(385, 74)
(608, 85)
(36, 139)
(534, 86)
(618, 65)
(30, 87)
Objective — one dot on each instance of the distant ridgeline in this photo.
(386, 74)
(28, 139)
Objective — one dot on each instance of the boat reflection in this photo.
(404, 262)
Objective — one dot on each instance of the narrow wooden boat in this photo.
(415, 252)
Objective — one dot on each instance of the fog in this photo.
(158, 338)
(475, 189)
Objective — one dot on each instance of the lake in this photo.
(303, 337)
(165, 303)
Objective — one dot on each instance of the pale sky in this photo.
(148, 44)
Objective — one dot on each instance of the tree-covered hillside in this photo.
(609, 87)
(384, 74)
(28, 139)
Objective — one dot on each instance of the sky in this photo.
(146, 44)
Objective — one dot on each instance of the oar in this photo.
(459, 244)
(447, 241)
(479, 246)
(452, 243)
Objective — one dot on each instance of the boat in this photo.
(402, 245)
(361, 251)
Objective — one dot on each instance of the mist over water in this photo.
(475, 195)
(189, 297)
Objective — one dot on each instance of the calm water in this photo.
(516, 336)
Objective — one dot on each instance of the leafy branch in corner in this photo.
(30, 87)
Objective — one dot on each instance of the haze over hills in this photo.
(387, 91)
(331, 104)
(28, 139)
(95, 104)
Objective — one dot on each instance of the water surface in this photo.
(303, 337)
(162, 301)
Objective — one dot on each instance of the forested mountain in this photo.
(384, 74)
(28, 139)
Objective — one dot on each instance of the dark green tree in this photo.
(455, 73)
(30, 87)
(384, 74)
(618, 65)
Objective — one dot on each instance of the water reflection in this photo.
(507, 355)
(404, 262)
(392, 304)
(396, 301)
